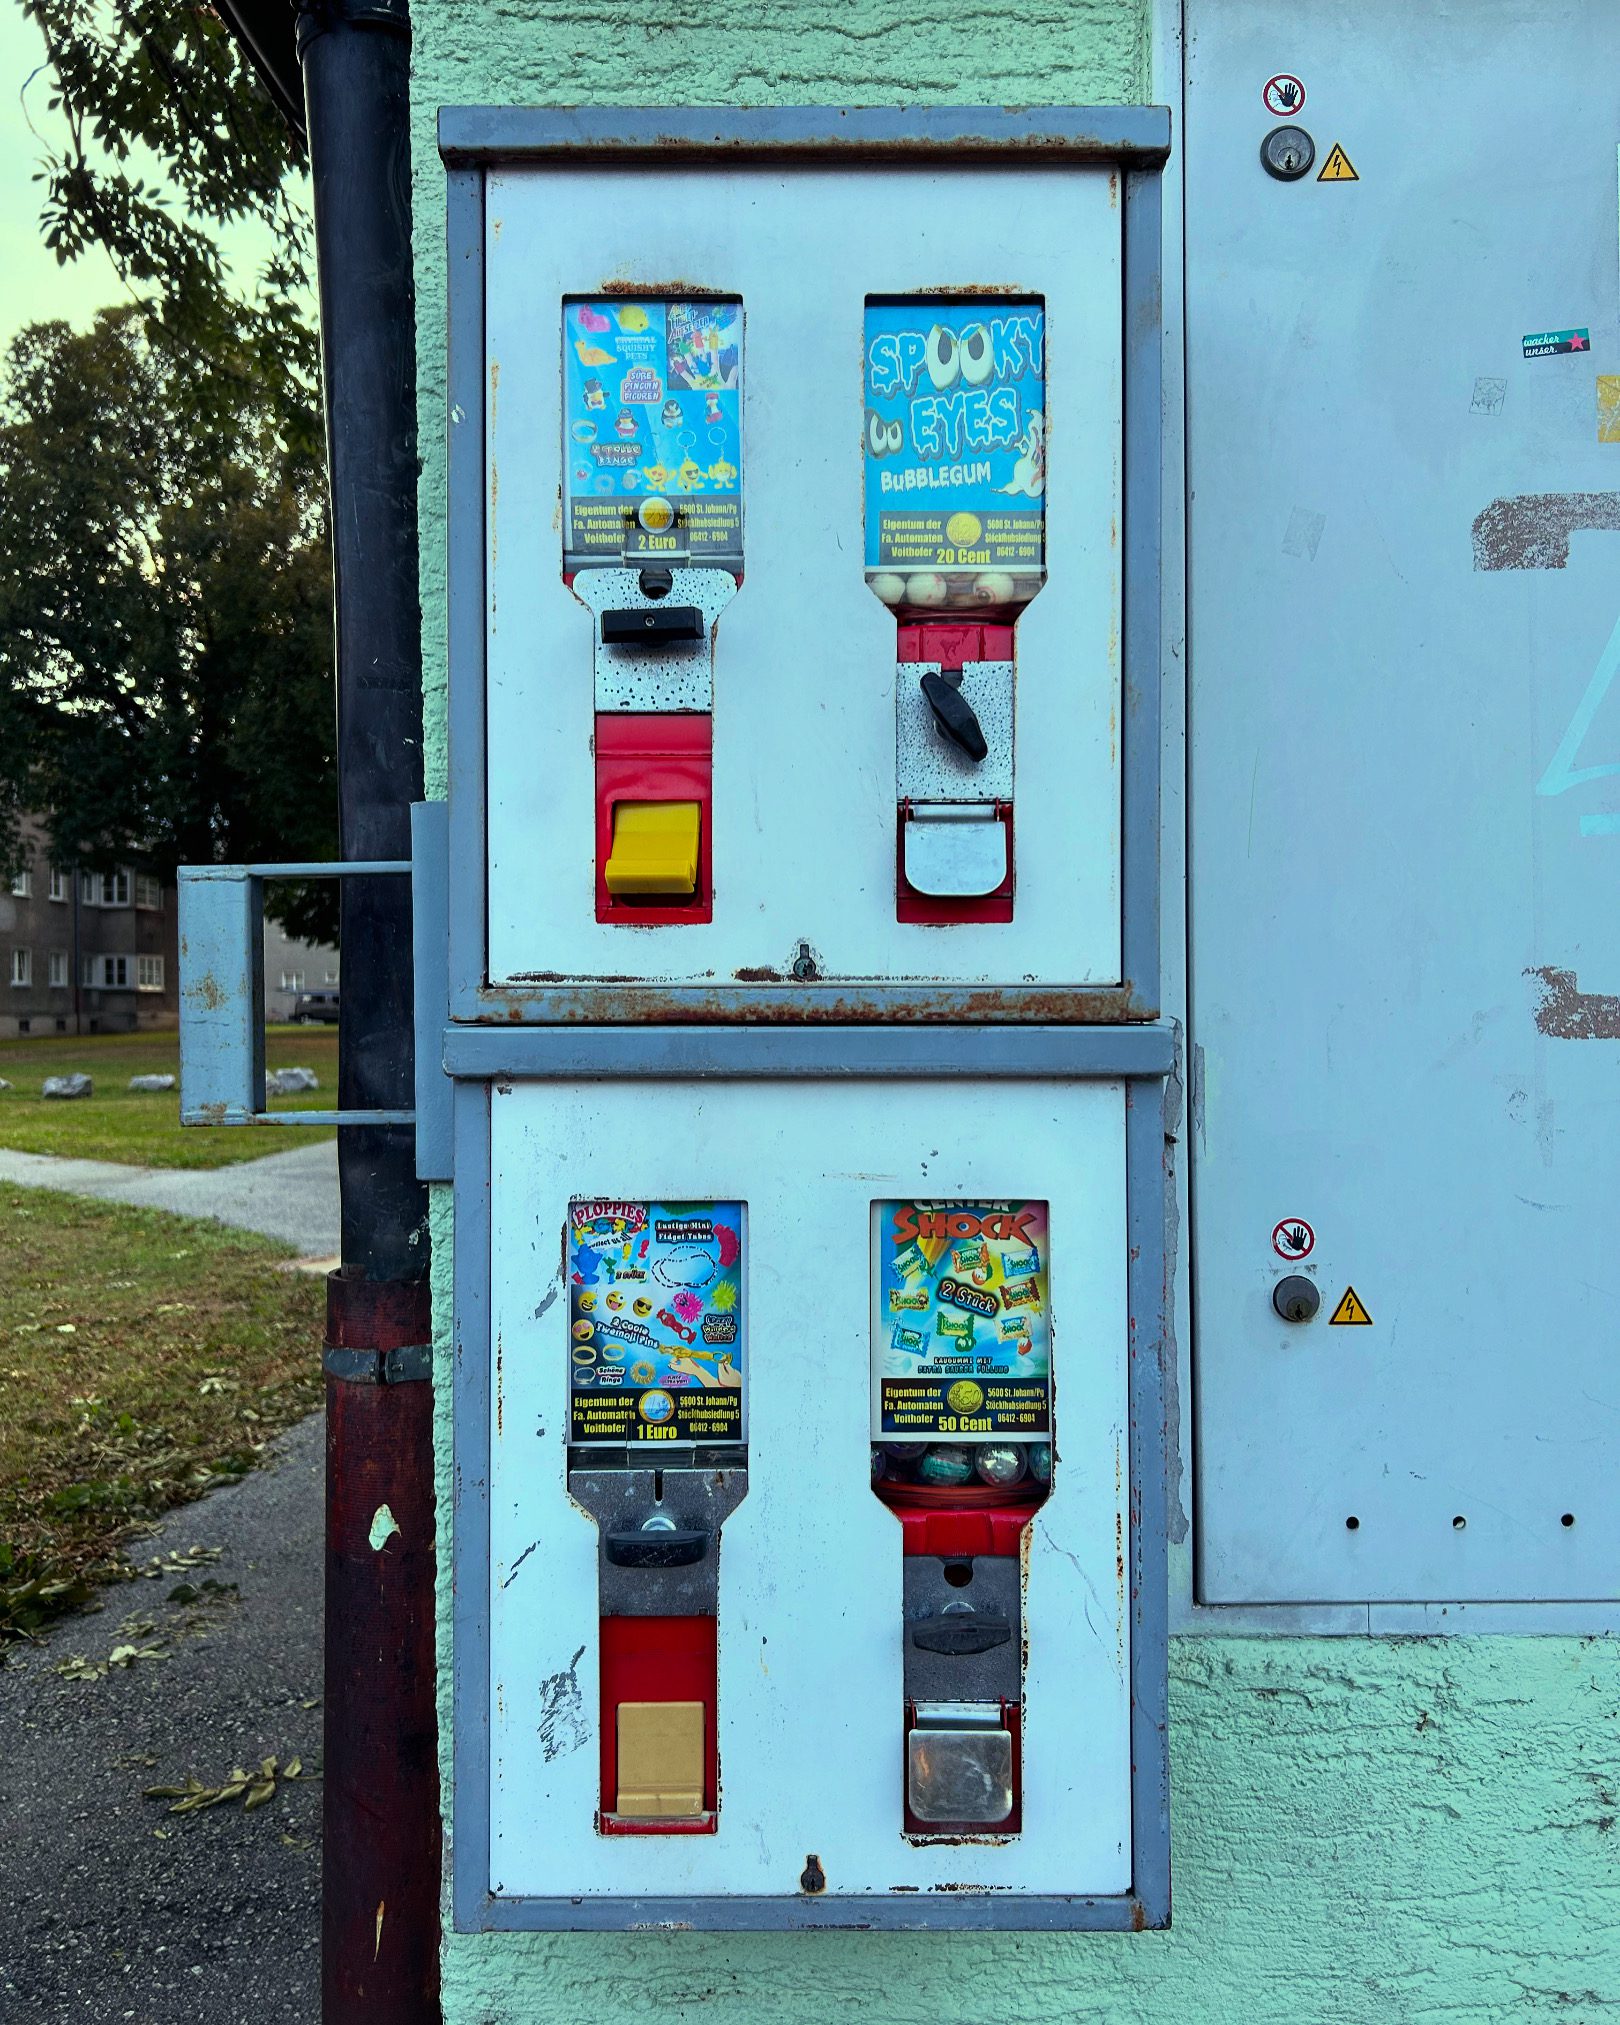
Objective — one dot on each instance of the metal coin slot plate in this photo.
(678, 676)
(927, 766)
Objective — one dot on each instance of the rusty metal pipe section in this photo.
(380, 1900)
(380, 1883)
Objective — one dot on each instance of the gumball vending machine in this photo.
(962, 1453)
(802, 1019)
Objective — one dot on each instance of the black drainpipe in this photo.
(380, 1893)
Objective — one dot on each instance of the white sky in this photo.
(32, 286)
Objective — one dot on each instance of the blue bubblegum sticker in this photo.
(652, 430)
(955, 435)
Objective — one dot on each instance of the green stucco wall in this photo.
(1377, 1831)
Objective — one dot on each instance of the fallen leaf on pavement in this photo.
(253, 1789)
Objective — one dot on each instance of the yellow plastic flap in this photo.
(655, 849)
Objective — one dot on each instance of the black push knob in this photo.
(659, 626)
(668, 1548)
(953, 715)
(1296, 1298)
(959, 1629)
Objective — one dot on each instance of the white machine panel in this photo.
(809, 1688)
(804, 665)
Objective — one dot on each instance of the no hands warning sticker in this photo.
(1284, 94)
(1350, 1309)
(1293, 1238)
(1337, 169)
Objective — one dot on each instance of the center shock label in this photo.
(961, 1320)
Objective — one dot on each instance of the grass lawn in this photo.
(144, 1358)
(116, 1123)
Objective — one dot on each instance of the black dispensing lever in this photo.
(953, 715)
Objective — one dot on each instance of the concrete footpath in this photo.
(292, 1196)
(111, 1908)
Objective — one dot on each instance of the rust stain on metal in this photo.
(1012, 291)
(1531, 530)
(620, 1001)
(500, 1396)
(1138, 1917)
(620, 285)
(209, 993)
(1566, 1013)
(761, 974)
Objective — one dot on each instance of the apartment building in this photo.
(291, 968)
(85, 952)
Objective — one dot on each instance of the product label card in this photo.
(652, 430)
(961, 1320)
(956, 437)
(655, 1321)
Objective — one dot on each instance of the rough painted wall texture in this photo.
(1378, 1832)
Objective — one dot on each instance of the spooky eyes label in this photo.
(961, 1320)
(655, 1321)
(652, 429)
(955, 440)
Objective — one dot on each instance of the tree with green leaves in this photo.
(140, 83)
(166, 692)
(165, 614)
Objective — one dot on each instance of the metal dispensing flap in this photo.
(955, 849)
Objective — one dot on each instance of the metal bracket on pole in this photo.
(222, 994)
(379, 1367)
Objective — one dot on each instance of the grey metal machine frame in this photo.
(542, 1030)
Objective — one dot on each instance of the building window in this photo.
(56, 970)
(22, 884)
(148, 891)
(292, 980)
(107, 973)
(22, 966)
(331, 977)
(105, 889)
(149, 973)
(59, 883)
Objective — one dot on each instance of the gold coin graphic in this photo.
(965, 1397)
(962, 530)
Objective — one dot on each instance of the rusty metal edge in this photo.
(476, 135)
(625, 1003)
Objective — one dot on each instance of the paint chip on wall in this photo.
(1304, 532)
(1608, 407)
(384, 1526)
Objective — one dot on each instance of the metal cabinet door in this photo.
(1405, 800)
